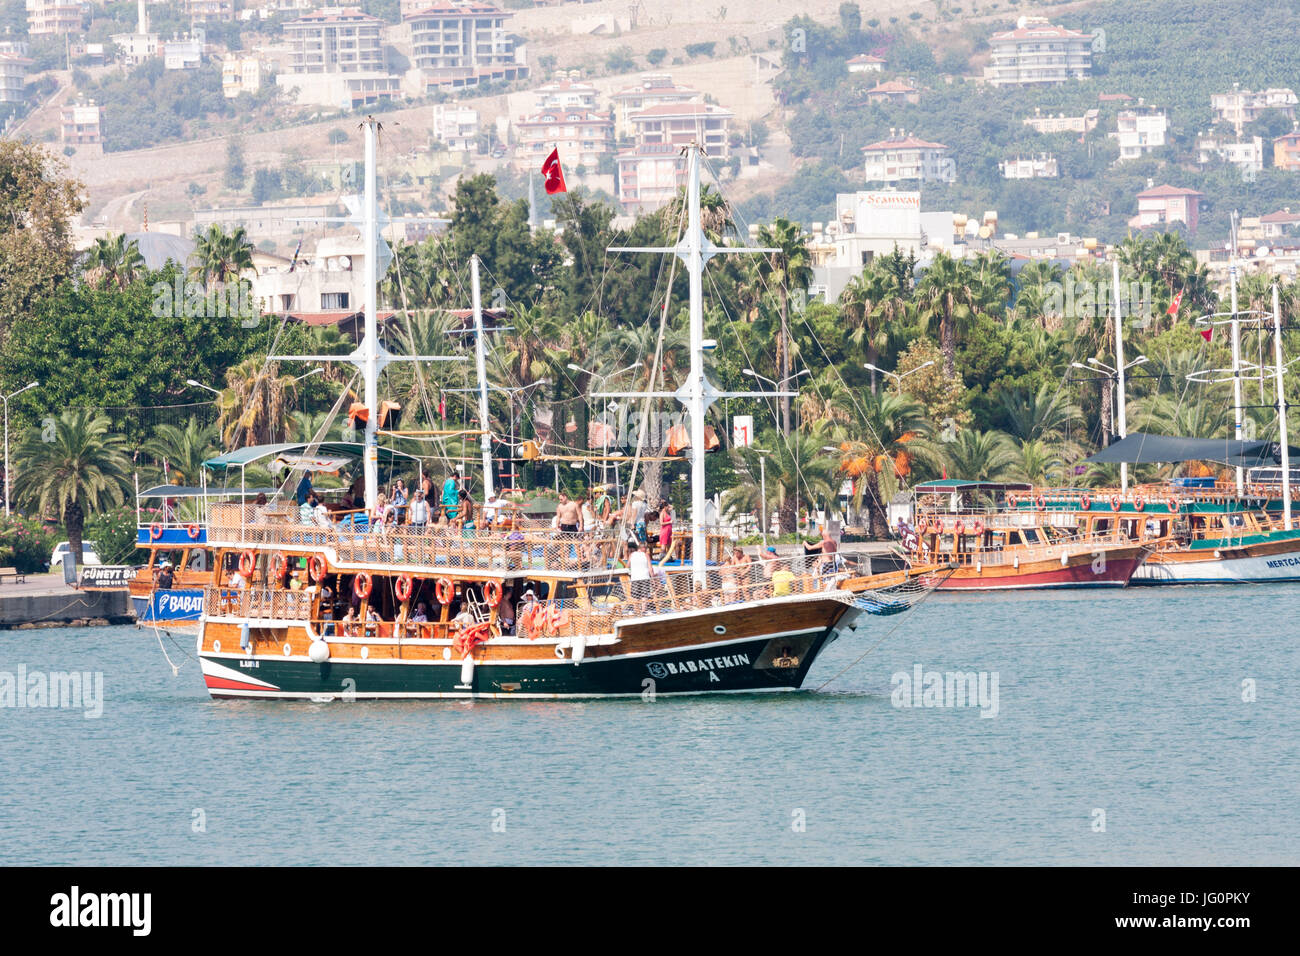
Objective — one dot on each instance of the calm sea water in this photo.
(1128, 703)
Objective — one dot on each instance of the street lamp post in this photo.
(6, 403)
(764, 517)
(895, 375)
(778, 386)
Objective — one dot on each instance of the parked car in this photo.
(498, 152)
(88, 555)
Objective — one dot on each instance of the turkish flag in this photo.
(554, 173)
(1207, 334)
(1175, 305)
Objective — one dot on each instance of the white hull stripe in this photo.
(212, 669)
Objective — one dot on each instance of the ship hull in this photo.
(757, 650)
(1230, 568)
(1081, 572)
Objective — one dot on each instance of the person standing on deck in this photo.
(304, 488)
(418, 513)
(666, 517)
(451, 496)
(638, 565)
(568, 514)
(638, 515)
(604, 505)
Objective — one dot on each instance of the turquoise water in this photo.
(1128, 702)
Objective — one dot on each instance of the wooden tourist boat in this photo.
(704, 628)
(964, 522)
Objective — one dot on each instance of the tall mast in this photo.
(1119, 373)
(370, 344)
(1236, 354)
(1281, 411)
(480, 362)
(694, 399)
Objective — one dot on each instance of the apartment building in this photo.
(906, 157)
(677, 124)
(462, 43)
(1063, 124)
(583, 137)
(456, 127)
(649, 176)
(13, 77)
(1140, 130)
(241, 74)
(1245, 154)
(1042, 166)
(1161, 205)
(336, 40)
(1038, 53)
(80, 125)
(1243, 106)
(53, 17)
(1286, 152)
(655, 89)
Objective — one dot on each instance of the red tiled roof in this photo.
(650, 149)
(681, 109)
(891, 86)
(1044, 31)
(335, 16)
(1291, 137)
(908, 142)
(1113, 97)
(334, 317)
(1281, 216)
(1166, 190)
(544, 118)
(866, 58)
(458, 10)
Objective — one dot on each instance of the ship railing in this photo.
(261, 603)
(518, 547)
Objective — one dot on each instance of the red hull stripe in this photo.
(1116, 573)
(222, 683)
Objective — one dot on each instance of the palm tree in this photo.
(981, 456)
(222, 256)
(715, 217)
(183, 448)
(872, 301)
(254, 408)
(1036, 462)
(1045, 415)
(889, 434)
(789, 267)
(112, 260)
(947, 291)
(83, 468)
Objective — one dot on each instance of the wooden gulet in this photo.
(703, 627)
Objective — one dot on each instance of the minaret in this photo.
(142, 18)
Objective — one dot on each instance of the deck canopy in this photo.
(184, 491)
(950, 485)
(1140, 448)
(307, 452)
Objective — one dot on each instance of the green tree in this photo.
(112, 260)
(84, 468)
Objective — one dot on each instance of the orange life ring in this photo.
(444, 590)
(1011, 501)
(1172, 504)
(316, 567)
(155, 531)
(959, 528)
(1115, 503)
(1085, 501)
(1040, 503)
(1139, 503)
(361, 585)
(277, 567)
(492, 593)
(936, 526)
(405, 584)
(193, 531)
(978, 527)
(246, 562)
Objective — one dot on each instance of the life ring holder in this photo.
(444, 590)
(362, 585)
(959, 528)
(492, 593)
(1115, 503)
(1139, 503)
(405, 585)
(1173, 505)
(278, 566)
(316, 567)
(246, 562)
(1012, 501)
(155, 531)
(978, 528)
(193, 531)
(1040, 503)
(1085, 501)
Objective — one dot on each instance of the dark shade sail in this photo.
(1140, 448)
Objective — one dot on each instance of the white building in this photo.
(337, 60)
(867, 224)
(1247, 154)
(461, 43)
(456, 127)
(682, 123)
(582, 136)
(1042, 166)
(183, 54)
(655, 89)
(13, 77)
(1061, 123)
(53, 17)
(565, 93)
(1036, 52)
(865, 63)
(329, 279)
(241, 74)
(1140, 130)
(905, 157)
(1243, 106)
(135, 48)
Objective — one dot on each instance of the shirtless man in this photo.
(568, 515)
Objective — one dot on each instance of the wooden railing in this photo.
(265, 603)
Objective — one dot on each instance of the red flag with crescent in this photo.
(554, 173)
